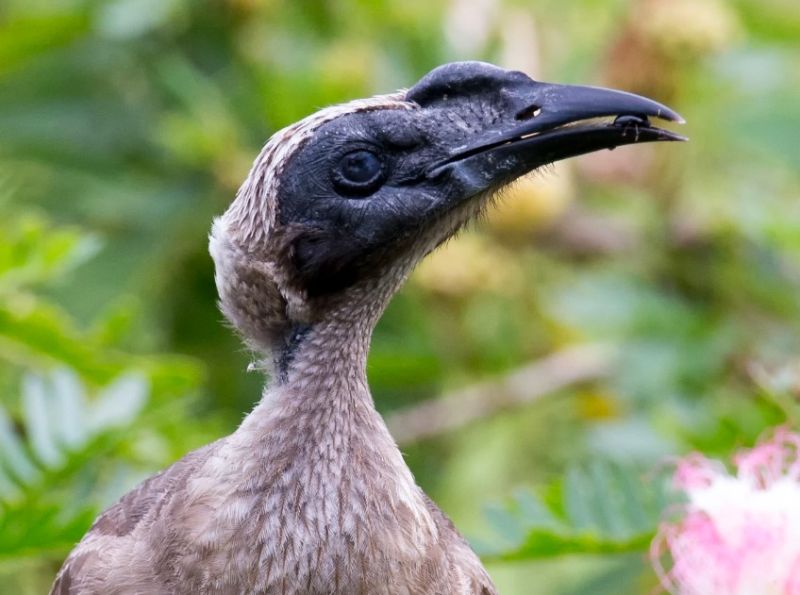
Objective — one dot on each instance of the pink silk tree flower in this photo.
(736, 534)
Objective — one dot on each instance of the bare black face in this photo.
(356, 192)
(368, 183)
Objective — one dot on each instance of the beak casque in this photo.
(550, 123)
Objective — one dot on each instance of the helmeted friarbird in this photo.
(310, 495)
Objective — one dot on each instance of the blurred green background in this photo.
(665, 279)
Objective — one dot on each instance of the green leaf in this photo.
(119, 403)
(604, 508)
(39, 423)
(62, 428)
(70, 408)
(31, 528)
(32, 251)
(13, 456)
(60, 422)
(504, 523)
(34, 333)
(533, 511)
(543, 543)
(577, 499)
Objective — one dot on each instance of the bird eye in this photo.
(359, 173)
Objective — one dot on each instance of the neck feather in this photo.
(320, 420)
(319, 389)
(319, 398)
(315, 445)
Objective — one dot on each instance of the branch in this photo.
(560, 370)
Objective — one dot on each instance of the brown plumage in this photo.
(310, 495)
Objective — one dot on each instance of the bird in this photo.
(311, 495)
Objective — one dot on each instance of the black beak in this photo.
(550, 123)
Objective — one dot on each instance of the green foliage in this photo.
(35, 331)
(71, 442)
(33, 252)
(602, 508)
(63, 431)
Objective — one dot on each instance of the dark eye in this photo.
(359, 173)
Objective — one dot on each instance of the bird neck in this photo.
(333, 348)
(329, 352)
(317, 442)
(320, 413)
(319, 385)
(320, 392)
(318, 454)
(330, 355)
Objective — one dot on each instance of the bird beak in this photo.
(550, 123)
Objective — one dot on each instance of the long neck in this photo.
(319, 398)
(320, 391)
(330, 354)
(318, 425)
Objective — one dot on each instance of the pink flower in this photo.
(738, 534)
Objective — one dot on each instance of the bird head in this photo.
(339, 207)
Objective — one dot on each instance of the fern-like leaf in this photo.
(61, 426)
(602, 508)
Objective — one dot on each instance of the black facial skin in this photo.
(343, 227)
(368, 182)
